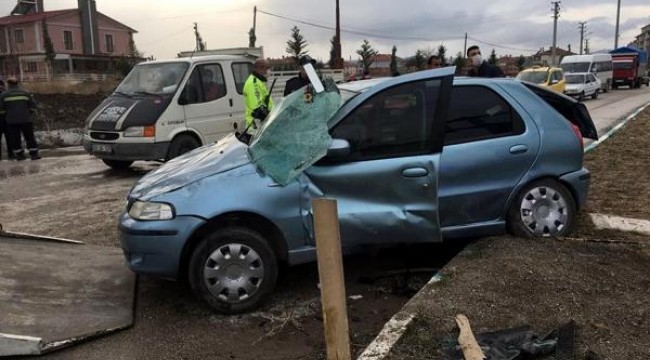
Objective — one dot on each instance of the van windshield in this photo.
(574, 79)
(536, 77)
(158, 78)
(622, 65)
(575, 67)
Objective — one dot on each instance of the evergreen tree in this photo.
(296, 45)
(459, 62)
(393, 61)
(420, 60)
(50, 54)
(442, 51)
(367, 54)
(331, 61)
(251, 38)
(493, 58)
(520, 62)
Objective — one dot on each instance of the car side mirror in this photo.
(339, 149)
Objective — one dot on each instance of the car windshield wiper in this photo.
(145, 93)
(122, 93)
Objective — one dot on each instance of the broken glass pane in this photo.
(295, 135)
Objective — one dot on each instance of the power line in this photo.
(499, 46)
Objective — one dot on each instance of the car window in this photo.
(557, 75)
(206, 83)
(396, 122)
(593, 78)
(478, 113)
(241, 72)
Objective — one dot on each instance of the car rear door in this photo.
(574, 111)
(387, 187)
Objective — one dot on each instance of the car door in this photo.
(387, 186)
(206, 102)
(594, 84)
(488, 149)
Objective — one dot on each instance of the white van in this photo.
(165, 108)
(598, 64)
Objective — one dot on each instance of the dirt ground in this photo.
(65, 111)
(502, 283)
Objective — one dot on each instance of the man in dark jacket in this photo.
(480, 67)
(4, 131)
(18, 106)
(299, 81)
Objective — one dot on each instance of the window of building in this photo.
(478, 113)
(67, 40)
(32, 67)
(109, 43)
(241, 72)
(19, 36)
(394, 123)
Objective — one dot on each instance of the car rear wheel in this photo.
(543, 208)
(233, 270)
(117, 164)
(181, 145)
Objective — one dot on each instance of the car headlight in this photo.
(145, 210)
(140, 131)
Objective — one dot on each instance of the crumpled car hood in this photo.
(228, 154)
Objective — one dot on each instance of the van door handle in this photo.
(415, 172)
(230, 100)
(518, 149)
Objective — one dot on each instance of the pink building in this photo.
(83, 40)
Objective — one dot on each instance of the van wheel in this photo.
(581, 97)
(543, 208)
(595, 95)
(180, 145)
(233, 270)
(117, 164)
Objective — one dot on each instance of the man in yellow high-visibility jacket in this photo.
(257, 100)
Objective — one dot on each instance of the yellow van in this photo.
(551, 77)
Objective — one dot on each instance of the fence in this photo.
(72, 77)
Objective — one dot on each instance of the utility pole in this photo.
(582, 34)
(338, 60)
(200, 45)
(587, 46)
(556, 14)
(618, 20)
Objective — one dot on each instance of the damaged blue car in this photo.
(423, 157)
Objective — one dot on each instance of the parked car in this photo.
(417, 158)
(581, 85)
(550, 77)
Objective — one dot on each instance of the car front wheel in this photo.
(233, 270)
(595, 94)
(543, 208)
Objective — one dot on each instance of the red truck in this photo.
(629, 67)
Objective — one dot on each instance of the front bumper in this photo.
(578, 182)
(155, 247)
(129, 151)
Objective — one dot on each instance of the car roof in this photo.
(541, 68)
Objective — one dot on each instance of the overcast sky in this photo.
(165, 27)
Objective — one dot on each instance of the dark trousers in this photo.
(4, 131)
(28, 133)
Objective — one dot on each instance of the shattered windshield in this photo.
(157, 78)
(295, 135)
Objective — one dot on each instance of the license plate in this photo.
(102, 148)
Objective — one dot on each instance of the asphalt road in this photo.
(69, 194)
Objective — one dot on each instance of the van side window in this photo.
(241, 72)
(478, 113)
(206, 83)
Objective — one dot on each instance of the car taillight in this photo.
(578, 134)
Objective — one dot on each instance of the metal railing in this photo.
(44, 77)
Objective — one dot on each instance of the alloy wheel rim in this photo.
(233, 273)
(544, 211)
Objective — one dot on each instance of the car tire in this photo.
(246, 279)
(181, 145)
(543, 208)
(117, 164)
(581, 97)
(614, 86)
(595, 94)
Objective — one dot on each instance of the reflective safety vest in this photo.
(255, 92)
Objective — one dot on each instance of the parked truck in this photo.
(629, 67)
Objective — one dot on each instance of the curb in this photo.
(616, 128)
